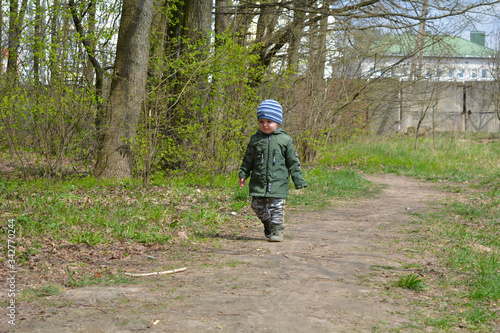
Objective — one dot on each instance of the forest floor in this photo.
(334, 272)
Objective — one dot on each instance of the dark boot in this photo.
(267, 228)
(276, 233)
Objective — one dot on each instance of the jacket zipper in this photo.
(267, 165)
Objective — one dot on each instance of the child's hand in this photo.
(242, 182)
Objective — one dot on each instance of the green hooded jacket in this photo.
(269, 161)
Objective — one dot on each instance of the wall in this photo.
(440, 106)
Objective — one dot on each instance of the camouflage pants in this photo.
(269, 210)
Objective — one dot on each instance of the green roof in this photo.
(435, 46)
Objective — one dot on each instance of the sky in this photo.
(489, 24)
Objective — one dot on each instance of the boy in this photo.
(269, 160)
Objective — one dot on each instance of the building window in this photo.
(461, 73)
(439, 73)
(451, 74)
(474, 74)
(484, 73)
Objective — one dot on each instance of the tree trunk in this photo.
(89, 44)
(197, 19)
(159, 27)
(242, 20)
(16, 18)
(89, 67)
(297, 32)
(317, 49)
(54, 42)
(416, 65)
(128, 89)
(196, 27)
(221, 16)
(37, 50)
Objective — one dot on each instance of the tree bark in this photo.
(127, 92)
(37, 49)
(221, 16)
(317, 49)
(54, 52)
(297, 32)
(16, 18)
(197, 19)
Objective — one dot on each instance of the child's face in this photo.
(267, 126)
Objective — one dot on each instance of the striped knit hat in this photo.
(271, 110)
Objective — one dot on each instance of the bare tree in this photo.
(90, 48)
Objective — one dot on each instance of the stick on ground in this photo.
(156, 273)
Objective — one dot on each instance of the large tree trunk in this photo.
(197, 19)
(159, 31)
(128, 89)
(222, 16)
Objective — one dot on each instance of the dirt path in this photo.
(328, 276)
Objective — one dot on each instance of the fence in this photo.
(441, 106)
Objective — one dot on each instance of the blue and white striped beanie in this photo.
(271, 110)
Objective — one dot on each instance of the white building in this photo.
(440, 58)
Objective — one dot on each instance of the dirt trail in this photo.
(327, 276)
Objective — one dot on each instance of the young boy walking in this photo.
(269, 161)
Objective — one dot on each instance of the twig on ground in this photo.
(157, 273)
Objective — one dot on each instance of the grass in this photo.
(326, 184)
(463, 234)
(447, 157)
(85, 211)
(49, 289)
(410, 281)
(98, 279)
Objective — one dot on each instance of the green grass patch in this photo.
(450, 157)
(326, 184)
(410, 281)
(101, 279)
(50, 289)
